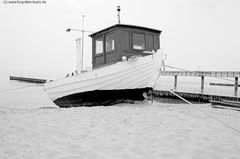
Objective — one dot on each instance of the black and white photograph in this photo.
(119, 79)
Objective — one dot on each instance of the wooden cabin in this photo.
(111, 44)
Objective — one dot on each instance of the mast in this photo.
(80, 48)
(82, 34)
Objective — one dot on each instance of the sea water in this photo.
(22, 95)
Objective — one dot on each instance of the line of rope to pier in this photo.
(176, 68)
(230, 127)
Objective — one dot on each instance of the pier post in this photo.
(202, 83)
(236, 86)
(175, 82)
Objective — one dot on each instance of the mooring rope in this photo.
(230, 127)
(180, 97)
(176, 68)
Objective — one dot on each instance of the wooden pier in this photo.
(223, 84)
(227, 74)
(197, 97)
(203, 74)
(29, 80)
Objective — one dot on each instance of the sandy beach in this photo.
(124, 131)
(70, 52)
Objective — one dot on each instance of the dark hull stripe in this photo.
(103, 97)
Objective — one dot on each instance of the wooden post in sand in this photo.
(175, 82)
(236, 86)
(202, 83)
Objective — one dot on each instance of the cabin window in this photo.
(138, 41)
(99, 45)
(109, 43)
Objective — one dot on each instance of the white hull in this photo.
(140, 72)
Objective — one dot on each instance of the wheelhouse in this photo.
(117, 41)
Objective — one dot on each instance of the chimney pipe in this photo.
(118, 9)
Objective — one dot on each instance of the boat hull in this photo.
(104, 97)
(122, 81)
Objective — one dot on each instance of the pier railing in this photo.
(202, 74)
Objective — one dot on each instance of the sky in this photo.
(196, 34)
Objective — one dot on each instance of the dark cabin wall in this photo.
(156, 42)
(124, 41)
(150, 42)
(123, 44)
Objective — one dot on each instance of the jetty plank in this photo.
(27, 79)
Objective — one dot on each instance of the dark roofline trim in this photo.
(128, 26)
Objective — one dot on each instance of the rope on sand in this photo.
(230, 127)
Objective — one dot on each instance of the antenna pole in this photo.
(118, 9)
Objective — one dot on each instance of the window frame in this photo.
(103, 36)
(105, 42)
(132, 41)
(95, 45)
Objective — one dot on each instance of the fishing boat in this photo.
(126, 64)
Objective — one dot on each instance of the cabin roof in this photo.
(127, 26)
